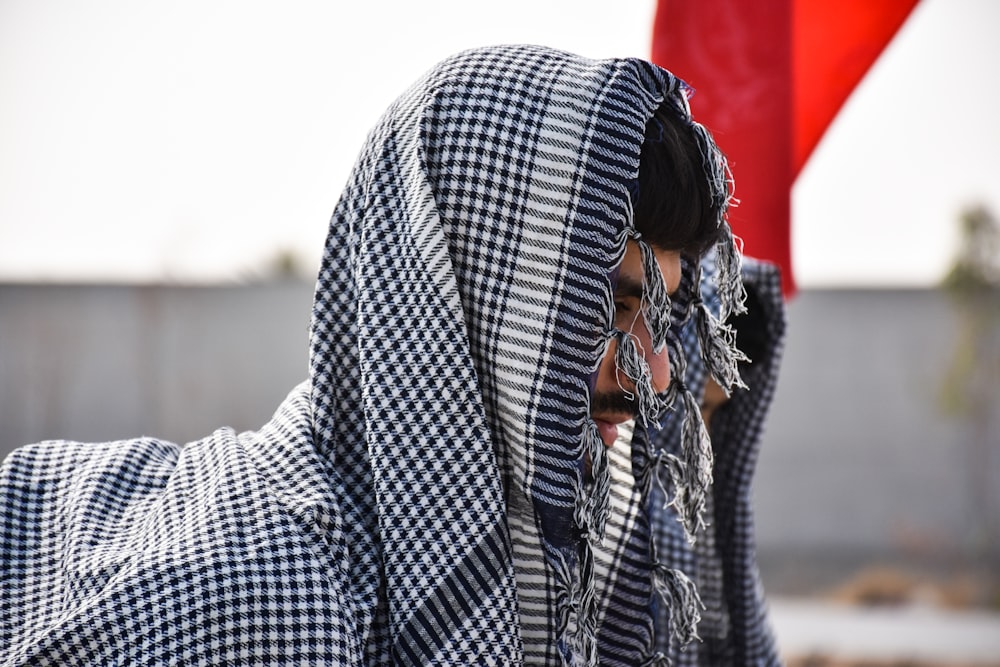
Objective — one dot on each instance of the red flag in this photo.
(833, 44)
(769, 78)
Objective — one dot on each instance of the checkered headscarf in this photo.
(421, 499)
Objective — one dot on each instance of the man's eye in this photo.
(624, 308)
(627, 312)
(627, 305)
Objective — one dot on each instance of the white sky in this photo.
(195, 140)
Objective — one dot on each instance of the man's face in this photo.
(610, 404)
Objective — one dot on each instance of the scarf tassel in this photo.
(675, 471)
(695, 482)
(656, 298)
(716, 169)
(593, 509)
(680, 595)
(630, 362)
(576, 601)
(732, 293)
(657, 660)
(718, 349)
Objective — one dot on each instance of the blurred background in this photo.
(167, 171)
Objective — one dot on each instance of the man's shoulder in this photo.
(51, 489)
(58, 461)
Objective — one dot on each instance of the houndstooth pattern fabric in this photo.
(140, 552)
(420, 499)
(734, 627)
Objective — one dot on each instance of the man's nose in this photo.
(659, 364)
(659, 368)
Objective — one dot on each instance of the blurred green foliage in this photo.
(972, 381)
(976, 269)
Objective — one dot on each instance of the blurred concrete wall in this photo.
(95, 363)
(860, 456)
(858, 459)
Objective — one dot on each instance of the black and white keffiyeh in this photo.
(421, 498)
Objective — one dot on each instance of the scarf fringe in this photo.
(732, 293)
(717, 170)
(576, 607)
(656, 299)
(678, 593)
(678, 370)
(681, 596)
(695, 483)
(675, 470)
(576, 598)
(718, 349)
(657, 660)
(593, 509)
(629, 361)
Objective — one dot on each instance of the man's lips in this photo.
(608, 431)
(607, 426)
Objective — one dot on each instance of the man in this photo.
(503, 283)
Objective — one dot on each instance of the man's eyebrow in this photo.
(628, 286)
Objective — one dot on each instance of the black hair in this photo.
(675, 205)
